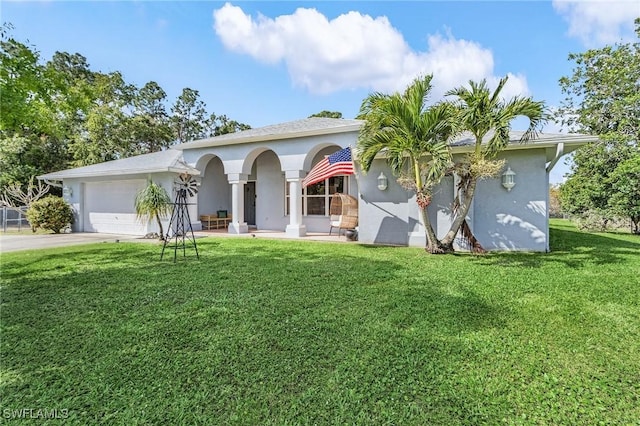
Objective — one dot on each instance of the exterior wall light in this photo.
(382, 182)
(508, 179)
(67, 191)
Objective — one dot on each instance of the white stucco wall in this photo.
(515, 220)
(500, 220)
(293, 154)
(383, 215)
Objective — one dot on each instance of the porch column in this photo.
(237, 225)
(192, 208)
(295, 228)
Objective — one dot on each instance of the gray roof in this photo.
(466, 139)
(171, 160)
(322, 126)
(163, 161)
(293, 129)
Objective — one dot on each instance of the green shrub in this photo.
(599, 221)
(51, 213)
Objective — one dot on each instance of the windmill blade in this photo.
(192, 187)
(189, 184)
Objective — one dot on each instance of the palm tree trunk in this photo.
(160, 227)
(433, 244)
(465, 205)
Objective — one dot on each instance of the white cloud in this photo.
(599, 22)
(355, 51)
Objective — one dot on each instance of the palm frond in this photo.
(482, 111)
(401, 128)
(152, 200)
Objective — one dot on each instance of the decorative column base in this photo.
(238, 228)
(296, 231)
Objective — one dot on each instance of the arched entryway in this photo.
(214, 194)
(264, 201)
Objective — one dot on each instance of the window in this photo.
(316, 198)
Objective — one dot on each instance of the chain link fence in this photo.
(14, 218)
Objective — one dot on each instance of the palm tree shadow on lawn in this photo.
(573, 248)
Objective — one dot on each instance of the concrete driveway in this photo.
(14, 242)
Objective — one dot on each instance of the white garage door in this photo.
(109, 207)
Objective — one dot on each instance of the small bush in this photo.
(51, 213)
(596, 221)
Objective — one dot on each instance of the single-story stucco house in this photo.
(256, 176)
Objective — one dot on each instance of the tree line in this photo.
(602, 97)
(60, 113)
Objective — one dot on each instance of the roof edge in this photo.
(171, 169)
(211, 142)
(536, 143)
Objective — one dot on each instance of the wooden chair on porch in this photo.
(343, 210)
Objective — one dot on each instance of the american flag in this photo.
(338, 163)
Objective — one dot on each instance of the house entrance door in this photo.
(250, 203)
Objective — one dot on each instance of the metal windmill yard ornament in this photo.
(180, 232)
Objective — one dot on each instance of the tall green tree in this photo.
(488, 118)
(602, 97)
(217, 125)
(60, 113)
(150, 127)
(589, 187)
(188, 116)
(30, 141)
(104, 135)
(625, 199)
(414, 139)
(327, 114)
(21, 85)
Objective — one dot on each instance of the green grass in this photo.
(286, 332)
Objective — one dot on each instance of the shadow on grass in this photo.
(574, 249)
(256, 319)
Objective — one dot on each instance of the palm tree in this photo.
(482, 112)
(414, 139)
(153, 201)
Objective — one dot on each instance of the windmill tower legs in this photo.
(179, 234)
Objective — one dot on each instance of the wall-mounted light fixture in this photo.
(509, 179)
(383, 182)
(67, 191)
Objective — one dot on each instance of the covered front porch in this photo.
(251, 186)
(279, 235)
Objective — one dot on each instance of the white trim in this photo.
(128, 172)
(559, 153)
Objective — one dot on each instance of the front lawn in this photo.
(287, 332)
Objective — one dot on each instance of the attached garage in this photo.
(103, 195)
(109, 207)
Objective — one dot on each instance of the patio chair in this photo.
(343, 210)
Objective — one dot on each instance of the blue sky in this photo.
(268, 62)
